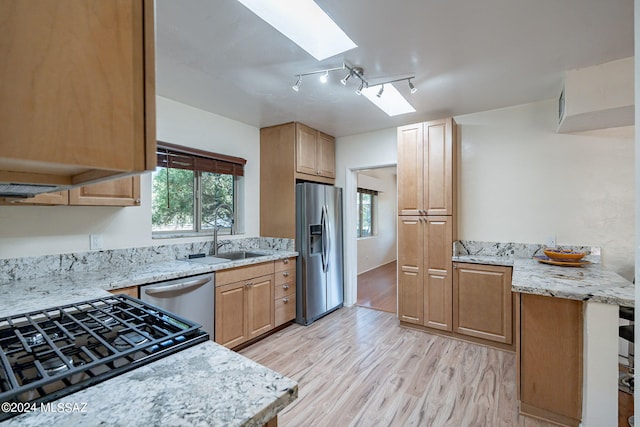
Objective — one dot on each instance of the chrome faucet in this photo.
(229, 209)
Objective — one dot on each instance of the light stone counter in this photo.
(589, 283)
(205, 385)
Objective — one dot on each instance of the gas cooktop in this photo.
(51, 353)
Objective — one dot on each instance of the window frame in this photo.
(360, 193)
(213, 163)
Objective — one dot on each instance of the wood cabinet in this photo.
(290, 152)
(244, 307)
(424, 271)
(550, 358)
(117, 192)
(427, 161)
(315, 153)
(284, 297)
(132, 291)
(77, 90)
(483, 302)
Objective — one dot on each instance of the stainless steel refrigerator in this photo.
(319, 272)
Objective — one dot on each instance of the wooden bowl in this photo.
(564, 255)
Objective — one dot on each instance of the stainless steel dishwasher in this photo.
(190, 297)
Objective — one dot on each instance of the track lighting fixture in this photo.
(344, 80)
(393, 103)
(412, 88)
(296, 86)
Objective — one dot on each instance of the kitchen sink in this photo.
(238, 255)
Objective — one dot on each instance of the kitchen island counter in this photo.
(206, 385)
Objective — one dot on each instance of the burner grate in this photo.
(51, 353)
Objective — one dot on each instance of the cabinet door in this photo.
(231, 314)
(438, 167)
(306, 150)
(260, 306)
(410, 270)
(326, 157)
(551, 358)
(118, 192)
(438, 298)
(77, 86)
(410, 172)
(483, 302)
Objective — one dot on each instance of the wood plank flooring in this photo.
(358, 367)
(377, 288)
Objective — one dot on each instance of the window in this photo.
(194, 191)
(366, 205)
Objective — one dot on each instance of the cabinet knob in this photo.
(285, 300)
(285, 273)
(285, 261)
(285, 287)
(248, 285)
(137, 201)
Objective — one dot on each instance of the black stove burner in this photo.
(51, 353)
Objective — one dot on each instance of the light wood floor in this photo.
(358, 367)
(377, 288)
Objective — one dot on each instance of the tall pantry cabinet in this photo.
(427, 158)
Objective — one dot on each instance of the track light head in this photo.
(359, 90)
(325, 77)
(412, 87)
(380, 91)
(344, 80)
(296, 86)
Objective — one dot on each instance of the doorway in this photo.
(376, 232)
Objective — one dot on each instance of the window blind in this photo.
(367, 191)
(180, 157)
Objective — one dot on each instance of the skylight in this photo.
(390, 101)
(305, 24)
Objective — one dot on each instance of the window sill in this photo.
(367, 237)
(185, 234)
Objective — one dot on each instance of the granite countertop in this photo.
(589, 283)
(206, 385)
(56, 289)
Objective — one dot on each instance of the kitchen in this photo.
(497, 163)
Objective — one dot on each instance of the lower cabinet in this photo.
(132, 291)
(483, 302)
(550, 359)
(253, 300)
(424, 271)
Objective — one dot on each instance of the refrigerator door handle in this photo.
(323, 224)
(328, 233)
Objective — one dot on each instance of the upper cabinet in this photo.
(290, 152)
(315, 153)
(77, 91)
(427, 168)
(117, 192)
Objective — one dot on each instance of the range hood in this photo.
(23, 191)
(597, 97)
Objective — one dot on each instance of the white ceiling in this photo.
(467, 56)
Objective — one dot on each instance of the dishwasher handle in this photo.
(177, 287)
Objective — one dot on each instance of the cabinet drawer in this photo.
(132, 291)
(287, 276)
(284, 289)
(238, 274)
(285, 264)
(285, 309)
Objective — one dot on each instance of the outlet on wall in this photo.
(96, 242)
(551, 241)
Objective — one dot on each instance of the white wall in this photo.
(42, 230)
(380, 249)
(520, 181)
